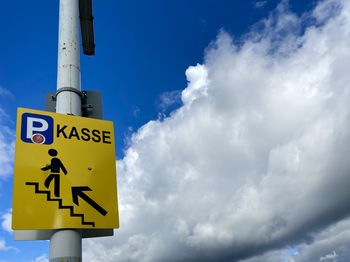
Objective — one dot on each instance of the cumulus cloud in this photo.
(4, 247)
(330, 244)
(260, 4)
(5, 93)
(331, 256)
(169, 99)
(255, 162)
(7, 151)
(7, 221)
(6, 140)
(42, 258)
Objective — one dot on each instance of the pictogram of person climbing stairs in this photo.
(60, 203)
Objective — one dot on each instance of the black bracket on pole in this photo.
(91, 102)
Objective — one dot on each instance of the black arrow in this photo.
(77, 192)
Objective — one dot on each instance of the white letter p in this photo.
(32, 130)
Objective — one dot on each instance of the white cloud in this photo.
(169, 99)
(254, 161)
(260, 4)
(6, 141)
(331, 256)
(4, 247)
(2, 244)
(330, 244)
(42, 258)
(6, 151)
(197, 77)
(5, 93)
(7, 221)
(135, 111)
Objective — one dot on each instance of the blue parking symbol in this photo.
(37, 129)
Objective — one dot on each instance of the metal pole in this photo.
(68, 100)
(65, 244)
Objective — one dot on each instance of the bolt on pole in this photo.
(65, 244)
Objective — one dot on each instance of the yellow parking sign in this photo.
(65, 172)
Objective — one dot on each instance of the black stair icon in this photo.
(60, 203)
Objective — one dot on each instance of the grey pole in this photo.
(65, 244)
(68, 100)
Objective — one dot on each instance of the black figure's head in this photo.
(52, 152)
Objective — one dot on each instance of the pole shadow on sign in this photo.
(55, 167)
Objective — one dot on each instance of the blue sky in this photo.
(130, 37)
(187, 84)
